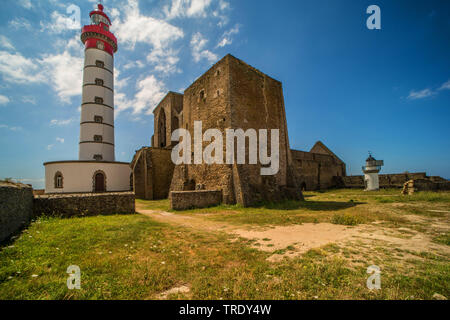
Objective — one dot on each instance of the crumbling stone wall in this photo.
(167, 118)
(235, 95)
(353, 182)
(395, 180)
(152, 171)
(89, 204)
(16, 208)
(183, 200)
(317, 170)
(414, 185)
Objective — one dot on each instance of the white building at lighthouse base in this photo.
(87, 176)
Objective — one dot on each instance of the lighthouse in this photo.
(96, 169)
(97, 107)
(371, 170)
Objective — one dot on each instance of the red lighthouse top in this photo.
(97, 34)
(99, 11)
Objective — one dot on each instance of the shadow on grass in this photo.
(311, 205)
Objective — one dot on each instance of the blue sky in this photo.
(387, 91)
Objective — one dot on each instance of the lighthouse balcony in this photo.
(97, 31)
(371, 169)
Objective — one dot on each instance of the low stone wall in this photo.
(16, 208)
(390, 180)
(71, 205)
(415, 185)
(183, 200)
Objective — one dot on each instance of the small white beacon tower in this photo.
(371, 170)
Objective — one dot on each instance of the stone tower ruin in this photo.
(234, 95)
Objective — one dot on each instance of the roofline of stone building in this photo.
(327, 149)
(165, 97)
(237, 59)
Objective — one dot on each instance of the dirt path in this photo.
(294, 240)
(183, 220)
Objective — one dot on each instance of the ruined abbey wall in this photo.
(393, 180)
(167, 118)
(234, 95)
(317, 171)
(152, 172)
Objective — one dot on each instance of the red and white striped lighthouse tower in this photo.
(96, 169)
(97, 106)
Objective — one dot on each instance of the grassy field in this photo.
(139, 257)
(343, 206)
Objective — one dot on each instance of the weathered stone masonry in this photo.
(182, 200)
(76, 205)
(231, 94)
(234, 95)
(16, 208)
(152, 172)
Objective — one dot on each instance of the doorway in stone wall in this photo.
(99, 182)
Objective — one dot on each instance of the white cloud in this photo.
(64, 122)
(150, 92)
(60, 140)
(198, 43)
(4, 99)
(64, 73)
(29, 99)
(224, 42)
(20, 23)
(74, 44)
(5, 126)
(134, 64)
(197, 8)
(119, 83)
(445, 86)
(137, 28)
(425, 93)
(220, 13)
(227, 36)
(187, 8)
(164, 61)
(17, 69)
(60, 23)
(26, 4)
(6, 43)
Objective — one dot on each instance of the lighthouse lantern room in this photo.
(96, 169)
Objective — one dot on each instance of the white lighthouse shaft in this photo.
(97, 108)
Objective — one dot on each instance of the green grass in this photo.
(135, 257)
(345, 219)
(341, 206)
(443, 238)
